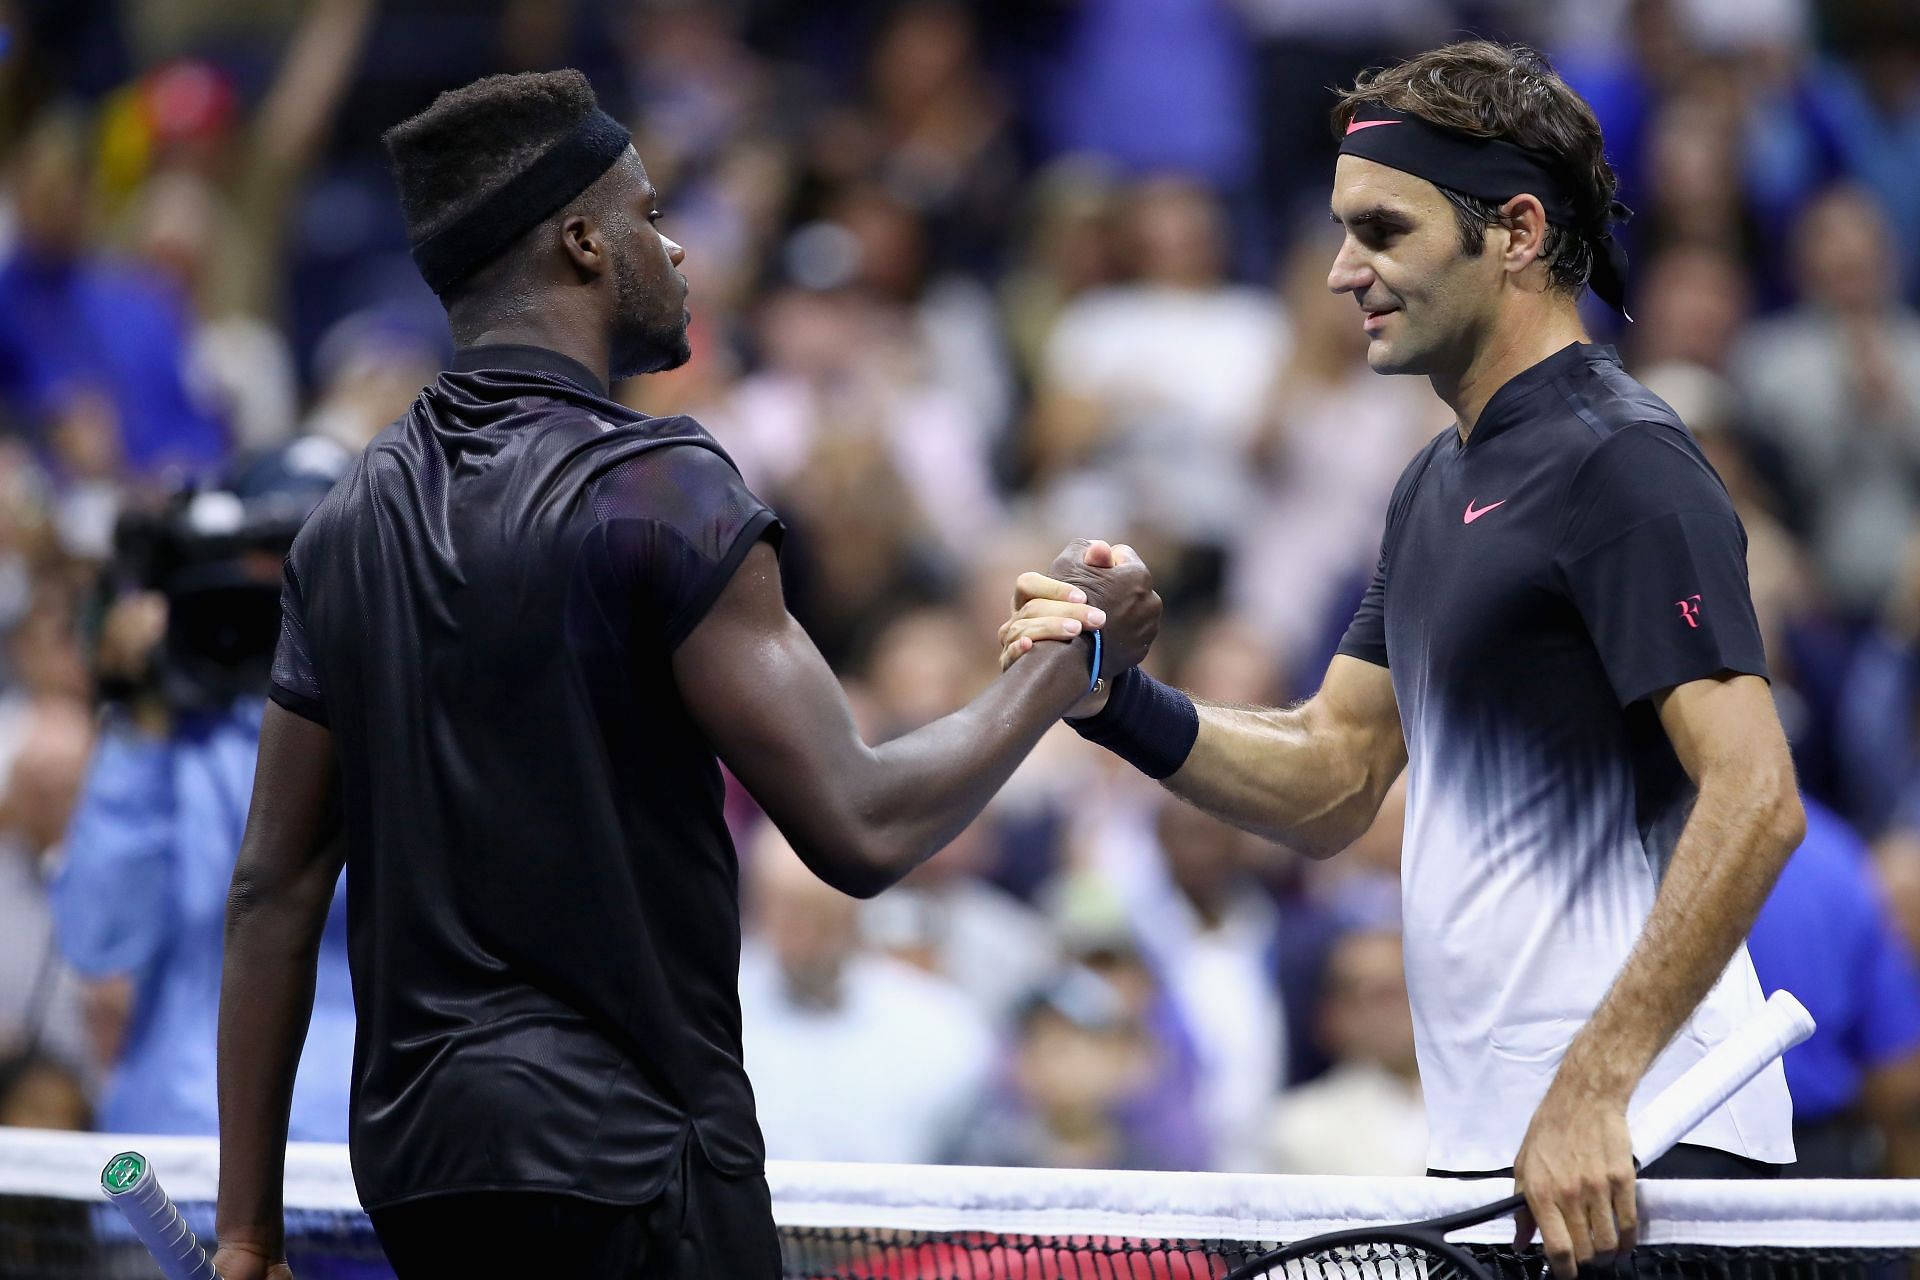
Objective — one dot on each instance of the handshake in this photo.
(1092, 586)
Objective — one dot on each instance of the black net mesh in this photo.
(820, 1253)
(56, 1239)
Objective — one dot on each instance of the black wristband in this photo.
(1150, 725)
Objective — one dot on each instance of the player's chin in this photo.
(1397, 354)
(1384, 356)
(656, 353)
(679, 351)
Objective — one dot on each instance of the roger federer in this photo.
(1558, 645)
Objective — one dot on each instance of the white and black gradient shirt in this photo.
(1536, 585)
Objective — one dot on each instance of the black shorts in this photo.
(704, 1226)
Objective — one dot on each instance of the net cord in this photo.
(1072, 1202)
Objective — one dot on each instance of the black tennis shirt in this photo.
(543, 911)
(1536, 585)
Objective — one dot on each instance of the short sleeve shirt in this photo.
(543, 909)
(1536, 585)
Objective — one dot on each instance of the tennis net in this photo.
(896, 1222)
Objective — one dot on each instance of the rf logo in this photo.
(1690, 610)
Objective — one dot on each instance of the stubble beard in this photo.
(645, 342)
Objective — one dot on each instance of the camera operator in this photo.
(182, 661)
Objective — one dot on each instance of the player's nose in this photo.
(1349, 273)
(675, 254)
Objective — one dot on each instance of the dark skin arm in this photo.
(862, 817)
(283, 884)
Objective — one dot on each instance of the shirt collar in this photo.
(1509, 405)
(525, 358)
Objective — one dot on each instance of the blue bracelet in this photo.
(1093, 685)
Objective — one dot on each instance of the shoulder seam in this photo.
(1600, 442)
(641, 448)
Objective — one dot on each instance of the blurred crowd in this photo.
(968, 279)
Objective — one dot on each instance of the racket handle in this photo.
(129, 1182)
(1783, 1023)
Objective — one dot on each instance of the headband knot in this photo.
(522, 202)
(1490, 169)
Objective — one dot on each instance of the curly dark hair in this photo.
(472, 139)
(1510, 92)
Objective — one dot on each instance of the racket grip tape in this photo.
(129, 1182)
(1656, 1127)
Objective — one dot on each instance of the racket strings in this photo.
(1377, 1260)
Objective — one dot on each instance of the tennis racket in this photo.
(129, 1182)
(1421, 1251)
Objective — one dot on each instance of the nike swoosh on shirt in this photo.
(1473, 515)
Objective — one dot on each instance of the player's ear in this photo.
(585, 244)
(1524, 222)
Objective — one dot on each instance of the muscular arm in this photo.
(276, 911)
(1312, 776)
(1744, 825)
(861, 817)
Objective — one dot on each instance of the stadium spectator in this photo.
(44, 1009)
(92, 349)
(1877, 722)
(41, 1092)
(367, 369)
(1078, 1090)
(882, 473)
(1835, 384)
(1856, 1081)
(944, 131)
(1063, 248)
(1366, 1114)
(1157, 85)
(142, 893)
(1151, 392)
(1329, 448)
(1852, 114)
(1211, 934)
(1690, 304)
(950, 920)
(853, 1055)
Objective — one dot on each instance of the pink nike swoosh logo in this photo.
(1358, 125)
(1473, 515)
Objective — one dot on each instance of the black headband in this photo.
(556, 176)
(1488, 169)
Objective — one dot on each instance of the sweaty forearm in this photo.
(1737, 838)
(266, 999)
(906, 799)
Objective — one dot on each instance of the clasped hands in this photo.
(1091, 586)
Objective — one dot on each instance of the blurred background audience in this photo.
(970, 277)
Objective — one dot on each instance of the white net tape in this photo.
(1064, 1202)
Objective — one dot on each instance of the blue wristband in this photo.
(1150, 725)
(1093, 682)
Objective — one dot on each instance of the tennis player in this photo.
(1558, 644)
(514, 638)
